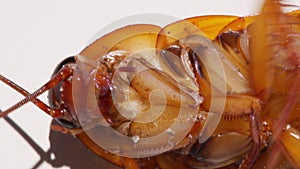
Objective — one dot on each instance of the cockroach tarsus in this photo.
(257, 127)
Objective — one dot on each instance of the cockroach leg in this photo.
(65, 72)
(280, 124)
(130, 163)
(290, 142)
(288, 108)
(255, 133)
(73, 131)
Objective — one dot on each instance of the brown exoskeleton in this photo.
(232, 81)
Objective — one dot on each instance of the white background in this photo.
(35, 35)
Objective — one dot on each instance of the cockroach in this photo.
(204, 92)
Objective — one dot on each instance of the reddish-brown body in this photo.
(260, 115)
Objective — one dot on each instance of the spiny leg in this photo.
(65, 72)
(280, 125)
(255, 133)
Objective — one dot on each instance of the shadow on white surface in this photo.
(65, 151)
